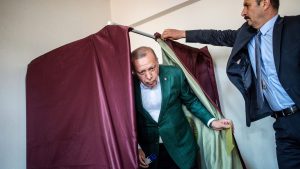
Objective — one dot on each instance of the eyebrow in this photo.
(246, 4)
(151, 67)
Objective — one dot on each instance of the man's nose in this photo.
(148, 75)
(243, 13)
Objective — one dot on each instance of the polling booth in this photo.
(81, 111)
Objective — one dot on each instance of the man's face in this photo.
(147, 69)
(253, 13)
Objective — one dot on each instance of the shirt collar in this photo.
(268, 25)
(146, 87)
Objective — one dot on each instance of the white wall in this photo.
(28, 29)
(257, 143)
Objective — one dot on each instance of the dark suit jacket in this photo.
(172, 125)
(286, 48)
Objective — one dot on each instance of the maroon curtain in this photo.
(200, 64)
(80, 109)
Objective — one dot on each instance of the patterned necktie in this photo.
(258, 61)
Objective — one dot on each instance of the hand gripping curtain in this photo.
(217, 149)
(80, 108)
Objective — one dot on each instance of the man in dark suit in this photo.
(163, 129)
(277, 41)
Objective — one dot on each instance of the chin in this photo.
(153, 85)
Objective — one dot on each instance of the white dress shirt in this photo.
(273, 91)
(151, 99)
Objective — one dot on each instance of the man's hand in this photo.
(173, 34)
(142, 159)
(221, 124)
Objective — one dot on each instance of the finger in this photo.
(144, 166)
(230, 122)
(226, 122)
(223, 125)
(226, 126)
(166, 34)
(142, 160)
(143, 163)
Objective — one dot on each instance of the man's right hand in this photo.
(142, 159)
(173, 34)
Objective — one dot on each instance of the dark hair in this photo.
(141, 52)
(274, 3)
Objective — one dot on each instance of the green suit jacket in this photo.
(172, 125)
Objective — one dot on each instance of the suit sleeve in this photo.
(212, 37)
(190, 100)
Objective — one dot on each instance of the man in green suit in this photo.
(163, 129)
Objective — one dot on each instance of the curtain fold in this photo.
(80, 107)
(217, 149)
(199, 64)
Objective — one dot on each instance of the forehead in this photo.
(249, 1)
(145, 62)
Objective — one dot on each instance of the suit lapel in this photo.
(165, 90)
(277, 41)
(244, 36)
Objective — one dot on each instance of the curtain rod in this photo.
(134, 30)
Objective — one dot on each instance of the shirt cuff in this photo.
(139, 147)
(210, 121)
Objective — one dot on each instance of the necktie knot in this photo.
(257, 38)
(258, 33)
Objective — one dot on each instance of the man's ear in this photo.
(132, 69)
(266, 4)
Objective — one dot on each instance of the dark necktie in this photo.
(258, 61)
